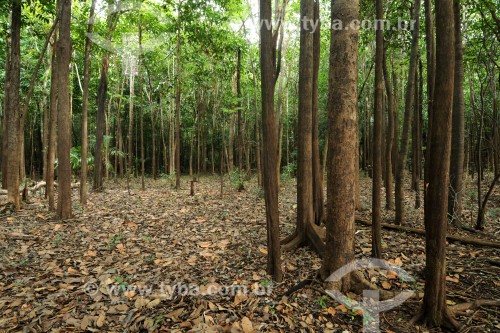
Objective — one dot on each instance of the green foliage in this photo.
(289, 171)
(237, 180)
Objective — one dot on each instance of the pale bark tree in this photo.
(343, 131)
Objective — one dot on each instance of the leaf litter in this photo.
(162, 260)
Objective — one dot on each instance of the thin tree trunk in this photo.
(240, 119)
(416, 133)
(458, 135)
(178, 105)
(139, 67)
(6, 105)
(51, 151)
(317, 176)
(389, 198)
(85, 100)
(377, 136)
(409, 96)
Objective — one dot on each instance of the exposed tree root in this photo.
(448, 321)
(452, 238)
(312, 235)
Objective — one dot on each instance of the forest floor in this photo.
(88, 274)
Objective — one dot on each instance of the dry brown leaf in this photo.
(247, 326)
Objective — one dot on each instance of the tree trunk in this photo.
(6, 105)
(377, 136)
(479, 160)
(416, 134)
(51, 150)
(269, 74)
(139, 70)
(389, 199)
(435, 311)
(178, 81)
(240, 119)
(431, 70)
(85, 100)
(317, 175)
(410, 90)
(130, 147)
(458, 135)
(343, 131)
(12, 111)
(64, 137)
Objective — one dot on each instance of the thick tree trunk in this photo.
(377, 136)
(435, 311)
(64, 137)
(458, 135)
(405, 137)
(343, 129)
(268, 82)
(12, 111)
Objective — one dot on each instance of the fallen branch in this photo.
(38, 186)
(463, 307)
(451, 238)
(18, 236)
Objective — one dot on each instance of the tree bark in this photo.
(343, 131)
(458, 135)
(377, 135)
(85, 101)
(410, 90)
(6, 105)
(431, 72)
(318, 200)
(12, 111)
(434, 310)
(178, 105)
(389, 198)
(240, 119)
(52, 128)
(64, 137)
(269, 74)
